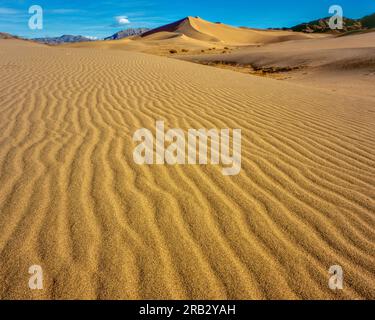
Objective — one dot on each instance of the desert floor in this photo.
(73, 201)
(345, 64)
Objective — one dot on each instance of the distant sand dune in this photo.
(342, 64)
(309, 52)
(73, 200)
(199, 29)
(195, 34)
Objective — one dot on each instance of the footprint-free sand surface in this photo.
(73, 201)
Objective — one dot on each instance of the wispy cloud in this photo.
(8, 11)
(64, 11)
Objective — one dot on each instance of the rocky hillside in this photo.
(322, 26)
(368, 21)
(4, 35)
(127, 33)
(62, 39)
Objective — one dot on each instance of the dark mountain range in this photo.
(127, 33)
(62, 39)
(368, 21)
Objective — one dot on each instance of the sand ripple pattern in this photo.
(102, 227)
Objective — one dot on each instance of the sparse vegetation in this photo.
(173, 51)
(322, 26)
(369, 21)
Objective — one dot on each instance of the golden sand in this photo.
(73, 201)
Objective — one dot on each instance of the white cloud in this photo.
(122, 20)
(91, 38)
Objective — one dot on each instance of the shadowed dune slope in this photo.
(73, 201)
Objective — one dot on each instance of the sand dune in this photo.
(159, 44)
(194, 35)
(346, 64)
(199, 29)
(310, 52)
(73, 201)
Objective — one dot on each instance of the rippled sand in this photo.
(73, 201)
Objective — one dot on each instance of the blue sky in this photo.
(100, 18)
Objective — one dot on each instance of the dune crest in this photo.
(199, 29)
(195, 35)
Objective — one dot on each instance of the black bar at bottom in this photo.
(154, 309)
